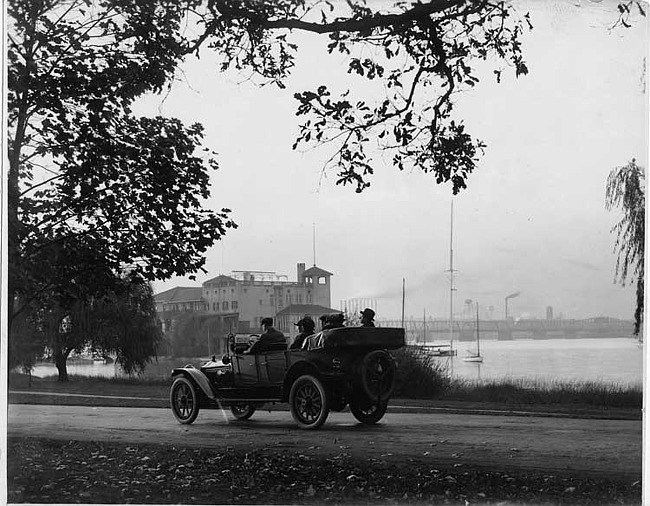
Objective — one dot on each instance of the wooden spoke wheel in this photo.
(308, 402)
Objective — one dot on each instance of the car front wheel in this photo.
(369, 413)
(308, 402)
(242, 411)
(184, 400)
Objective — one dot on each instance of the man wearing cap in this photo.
(306, 327)
(367, 317)
(270, 339)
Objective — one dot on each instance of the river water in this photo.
(612, 361)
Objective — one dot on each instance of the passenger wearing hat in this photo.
(306, 327)
(270, 339)
(333, 321)
(367, 317)
(323, 321)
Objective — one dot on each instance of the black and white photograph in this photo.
(324, 252)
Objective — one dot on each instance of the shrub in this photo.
(419, 375)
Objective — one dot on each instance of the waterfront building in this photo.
(243, 298)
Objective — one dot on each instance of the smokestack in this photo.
(511, 296)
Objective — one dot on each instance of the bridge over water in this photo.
(506, 330)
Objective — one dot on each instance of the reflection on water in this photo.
(617, 360)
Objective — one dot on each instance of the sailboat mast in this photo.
(451, 278)
(478, 339)
(403, 298)
(424, 326)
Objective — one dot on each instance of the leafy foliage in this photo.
(627, 11)
(130, 328)
(84, 170)
(119, 321)
(94, 190)
(626, 191)
(28, 343)
(420, 53)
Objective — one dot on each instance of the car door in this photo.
(246, 370)
(273, 367)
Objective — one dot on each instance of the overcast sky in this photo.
(531, 221)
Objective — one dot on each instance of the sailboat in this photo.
(475, 356)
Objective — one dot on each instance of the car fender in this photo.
(198, 377)
(295, 371)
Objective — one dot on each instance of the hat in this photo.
(307, 323)
(368, 312)
(305, 319)
(336, 319)
(267, 321)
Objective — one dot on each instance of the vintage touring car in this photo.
(335, 368)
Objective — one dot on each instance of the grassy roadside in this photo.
(513, 397)
(49, 471)
(44, 471)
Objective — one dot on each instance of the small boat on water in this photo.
(439, 350)
(475, 356)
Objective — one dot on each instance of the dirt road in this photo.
(607, 448)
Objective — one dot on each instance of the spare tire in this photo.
(378, 375)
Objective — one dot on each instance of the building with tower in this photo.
(243, 298)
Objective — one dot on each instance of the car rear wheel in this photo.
(184, 400)
(242, 411)
(368, 413)
(308, 402)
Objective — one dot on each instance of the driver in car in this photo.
(270, 339)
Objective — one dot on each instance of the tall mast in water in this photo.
(452, 289)
(424, 326)
(403, 298)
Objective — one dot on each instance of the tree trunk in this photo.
(60, 359)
